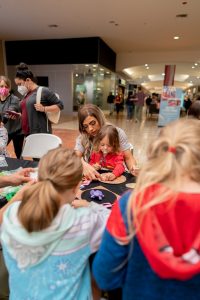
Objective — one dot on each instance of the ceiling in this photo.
(139, 31)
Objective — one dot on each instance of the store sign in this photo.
(170, 105)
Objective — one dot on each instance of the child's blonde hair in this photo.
(175, 154)
(59, 170)
(113, 137)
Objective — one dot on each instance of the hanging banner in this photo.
(170, 105)
(169, 75)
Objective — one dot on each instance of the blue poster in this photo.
(170, 105)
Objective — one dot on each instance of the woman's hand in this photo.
(39, 107)
(89, 172)
(97, 166)
(108, 177)
(19, 177)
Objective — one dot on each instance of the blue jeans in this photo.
(130, 110)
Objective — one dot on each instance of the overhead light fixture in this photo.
(146, 65)
(181, 16)
(163, 74)
(193, 67)
(176, 37)
(52, 25)
(196, 64)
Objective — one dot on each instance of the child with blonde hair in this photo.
(107, 154)
(151, 247)
(46, 242)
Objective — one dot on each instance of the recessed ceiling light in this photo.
(196, 64)
(163, 74)
(147, 68)
(52, 25)
(146, 65)
(176, 37)
(193, 67)
(182, 15)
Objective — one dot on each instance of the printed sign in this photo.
(170, 105)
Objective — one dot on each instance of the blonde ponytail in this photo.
(59, 170)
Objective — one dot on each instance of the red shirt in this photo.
(113, 161)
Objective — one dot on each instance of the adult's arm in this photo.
(18, 196)
(88, 171)
(131, 162)
(109, 266)
(51, 102)
(125, 146)
(17, 178)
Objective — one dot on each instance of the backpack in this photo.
(53, 117)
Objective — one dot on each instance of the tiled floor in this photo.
(139, 134)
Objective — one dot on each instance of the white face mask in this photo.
(22, 89)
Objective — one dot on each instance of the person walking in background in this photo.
(187, 103)
(152, 241)
(107, 154)
(139, 103)
(130, 105)
(10, 115)
(110, 101)
(118, 103)
(34, 118)
(46, 242)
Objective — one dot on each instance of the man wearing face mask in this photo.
(10, 115)
(33, 118)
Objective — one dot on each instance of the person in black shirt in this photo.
(110, 101)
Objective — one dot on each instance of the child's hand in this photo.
(80, 203)
(108, 176)
(97, 166)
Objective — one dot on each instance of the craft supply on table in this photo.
(96, 194)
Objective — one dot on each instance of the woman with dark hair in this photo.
(91, 119)
(34, 118)
(10, 113)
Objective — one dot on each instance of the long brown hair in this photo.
(90, 110)
(111, 132)
(85, 111)
(59, 170)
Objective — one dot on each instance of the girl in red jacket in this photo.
(107, 154)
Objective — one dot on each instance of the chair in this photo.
(38, 144)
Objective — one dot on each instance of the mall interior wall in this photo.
(54, 59)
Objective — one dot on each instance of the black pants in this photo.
(18, 140)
